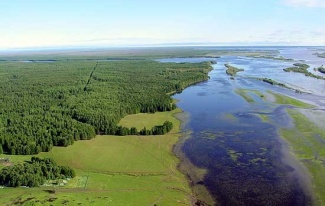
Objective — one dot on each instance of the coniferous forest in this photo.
(46, 104)
(34, 173)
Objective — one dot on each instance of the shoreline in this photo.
(200, 194)
(300, 172)
(193, 174)
(306, 147)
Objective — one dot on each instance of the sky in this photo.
(47, 23)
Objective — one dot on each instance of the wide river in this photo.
(239, 158)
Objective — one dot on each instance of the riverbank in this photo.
(195, 175)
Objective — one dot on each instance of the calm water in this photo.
(244, 157)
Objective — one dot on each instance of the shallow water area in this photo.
(247, 163)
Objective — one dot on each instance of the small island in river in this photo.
(231, 70)
(302, 68)
(321, 69)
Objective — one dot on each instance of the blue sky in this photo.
(38, 23)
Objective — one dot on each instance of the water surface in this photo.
(246, 161)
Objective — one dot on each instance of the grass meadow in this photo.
(113, 170)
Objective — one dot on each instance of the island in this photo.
(231, 70)
(321, 69)
(302, 68)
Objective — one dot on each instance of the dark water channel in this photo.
(246, 161)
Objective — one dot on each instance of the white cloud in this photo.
(306, 3)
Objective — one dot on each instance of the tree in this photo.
(34, 173)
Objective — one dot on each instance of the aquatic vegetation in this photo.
(245, 95)
(234, 155)
(242, 167)
(307, 141)
(249, 94)
(264, 118)
(283, 99)
(229, 117)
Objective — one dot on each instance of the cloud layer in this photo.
(306, 3)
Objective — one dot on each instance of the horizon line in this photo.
(163, 45)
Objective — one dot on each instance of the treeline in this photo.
(34, 173)
(273, 82)
(156, 130)
(46, 104)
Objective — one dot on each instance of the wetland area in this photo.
(235, 145)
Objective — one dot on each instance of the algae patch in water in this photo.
(264, 117)
(211, 135)
(229, 117)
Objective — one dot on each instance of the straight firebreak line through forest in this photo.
(90, 76)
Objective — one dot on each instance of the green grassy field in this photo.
(145, 120)
(307, 142)
(111, 170)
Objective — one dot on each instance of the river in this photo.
(229, 149)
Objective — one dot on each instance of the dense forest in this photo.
(34, 173)
(46, 104)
